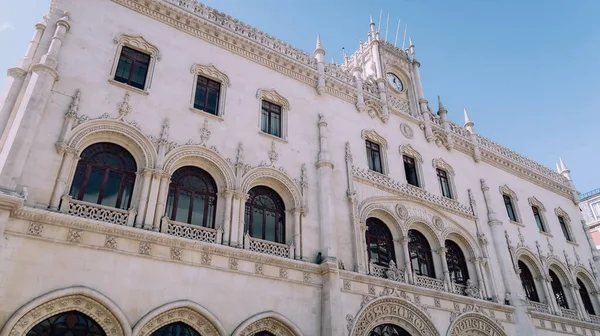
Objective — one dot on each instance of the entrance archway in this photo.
(72, 323)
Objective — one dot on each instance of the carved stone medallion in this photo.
(406, 131)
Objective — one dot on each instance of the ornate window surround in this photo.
(439, 163)
(211, 72)
(269, 321)
(373, 136)
(533, 201)
(408, 150)
(138, 43)
(505, 190)
(274, 97)
(562, 213)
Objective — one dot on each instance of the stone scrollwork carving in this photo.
(410, 151)
(535, 202)
(505, 190)
(212, 72)
(267, 324)
(373, 136)
(475, 323)
(562, 213)
(189, 316)
(274, 97)
(438, 223)
(393, 273)
(401, 211)
(139, 43)
(441, 164)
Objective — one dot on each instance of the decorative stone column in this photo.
(228, 196)
(69, 158)
(296, 213)
(448, 286)
(408, 271)
(141, 210)
(163, 193)
(243, 198)
(27, 113)
(357, 73)
(235, 213)
(578, 302)
(319, 55)
(547, 288)
(480, 279)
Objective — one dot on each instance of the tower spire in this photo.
(563, 167)
(319, 45)
(440, 105)
(468, 123)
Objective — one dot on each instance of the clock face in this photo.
(394, 81)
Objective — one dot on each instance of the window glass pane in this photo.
(170, 201)
(257, 223)
(374, 249)
(270, 226)
(123, 70)
(276, 124)
(111, 190)
(139, 76)
(213, 101)
(280, 230)
(92, 190)
(77, 180)
(183, 206)
(198, 210)
(200, 97)
(127, 191)
(210, 216)
(377, 162)
(596, 210)
(246, 218)
(264, 121)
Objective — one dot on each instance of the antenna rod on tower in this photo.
(397, 29)
(380, 14)
(387, 23)
(404, 41)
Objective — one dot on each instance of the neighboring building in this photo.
(169, 170)
(590, 208)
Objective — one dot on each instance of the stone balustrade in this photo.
(97, 212)
(569, 313)
(190, 231)
(268, 247)
(539, 307)
(431, 283)
(377, 271)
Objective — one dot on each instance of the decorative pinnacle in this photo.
(440, 105)
(557, 168)
(371, 18)
(319, 46)
(563, 167)
(410, 44)
(468, 121)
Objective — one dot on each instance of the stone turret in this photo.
(319, 54)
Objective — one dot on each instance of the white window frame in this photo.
(274, 97)
(373, 136)
(140, 44)
(514, 199)
(440, 164)
(562, 213)
(409, 151)
(211, 72)
(533, 201)
(595, 215)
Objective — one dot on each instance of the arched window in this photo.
(388, 330)
(585, 297)
(192, 197)
(457, 263)
(105, 175)
(70, 323)
(528, 283)
(380, 244)
(263, 333)
(420, 254)
(176, 329)
(265, 215)
(557, 288)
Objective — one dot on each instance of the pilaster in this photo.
(146, 177)
(447, 284)
(161, 201)
(69, 158)
(228, 196)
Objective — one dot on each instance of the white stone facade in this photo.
(135, 270)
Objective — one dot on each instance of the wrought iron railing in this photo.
(191, 231)
(267, 247)
(96, 211)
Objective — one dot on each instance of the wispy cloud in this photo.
(5, 26)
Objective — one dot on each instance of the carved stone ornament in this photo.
(443, 165)
(111, 242)
(145, 248)
(204, 133)
(406, 131)
(273, 155)
(373, 136)
(273, 97)
(348, 153)
(373, 108)
(74, 106)
(401, 211)
(409, 151)
(210, 71)
(139, 43)
(233, 264)
(124, 107)
(471, 290)
(35, 229)
(186, 315)
(393, 273)
(505, 190)
(562, 213)
(535, 202)
(74, 236)
(176, 253)
(267, 324)
(475, 323)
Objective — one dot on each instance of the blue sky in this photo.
(527, 71)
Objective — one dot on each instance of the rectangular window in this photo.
(271, 118)
(563, 227)
(444, 183)
(538, 218)
(207, 95)
(595, 210)
(374, 157)
(132, 68)
(509, 208)
(410, 169)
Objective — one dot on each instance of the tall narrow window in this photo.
(528, 282)
(104, 175)
(510, 209)
(557, 288)
(265, 215)
(457, 263)
(585, 297)
(192, 197)
(132, 68)
(420, 254)
(564, 228)
(538, 218)
(271, 118)
(444, 183)
(410, 169)
(374, 156)
(380, 244)
(207, 95)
